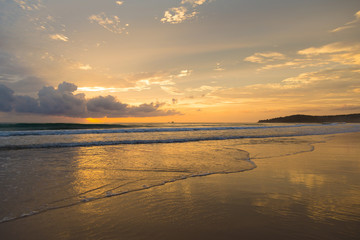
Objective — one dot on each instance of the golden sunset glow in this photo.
(206, 60)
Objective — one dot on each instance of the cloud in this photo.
(184, 73)
(186, 10)
(63, 102)
(11, 69)
(177, 15)
(110, 23)
(60, 37)
(339, 52)
(348, 24)
(119, 3)
(338, 29)
(350, 58)
(6, 98)
(108, 106)
(203, 88)
(296, 63)
(329, 48)
(171, 90)
(16, 76)
(321, 91)
(326, 85)
(35, 17)
(193, 2)
(26, 104)
(84, 67)
(29, 5)
(264, 57)
(29, 84)
(219, 68)
(145, 81)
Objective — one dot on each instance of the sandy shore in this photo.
(310, 195)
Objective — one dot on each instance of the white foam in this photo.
(319, 130)
(140, 130)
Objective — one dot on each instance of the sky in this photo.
(92, 61)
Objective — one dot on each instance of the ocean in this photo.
(45, 167)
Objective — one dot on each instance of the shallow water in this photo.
(47, 179)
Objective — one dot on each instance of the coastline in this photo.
(309, 195)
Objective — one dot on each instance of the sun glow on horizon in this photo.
(190, 61)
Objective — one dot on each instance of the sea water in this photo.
(44, 167)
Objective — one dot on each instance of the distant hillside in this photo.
(350, 118)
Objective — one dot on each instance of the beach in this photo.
(179, 120)
(313, 193)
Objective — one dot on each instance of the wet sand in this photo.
(310, 195)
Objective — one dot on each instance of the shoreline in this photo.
(316, 190)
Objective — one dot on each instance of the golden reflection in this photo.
(322, 184)
(274, 203)
(344, 207)
(106, 171)
(318, 206)
(307, 179)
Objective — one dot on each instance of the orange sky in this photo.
(177, 60)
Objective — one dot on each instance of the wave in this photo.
(172, 140)
(140, 130)
(58, 126)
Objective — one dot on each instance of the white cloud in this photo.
(187, 10)
(59, 37)
(111, 23)
(177, 15)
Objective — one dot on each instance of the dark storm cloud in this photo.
(26, 104)
(63, 102)
(6, 98)
(110, 107)
(103, 106)
(150, 110)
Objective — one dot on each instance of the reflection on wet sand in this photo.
(295, 192)
(111, 171)
(323, 185)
